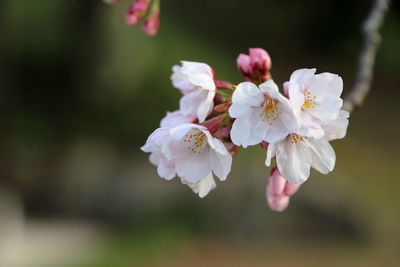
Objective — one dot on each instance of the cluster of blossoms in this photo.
(145, 11)
(216, 118)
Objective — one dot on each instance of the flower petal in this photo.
(323, 155)
(247, 94)
(293, 160)
(250, 130)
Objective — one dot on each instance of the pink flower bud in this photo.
(243, 64)
(136, 11)
(279, 191)
(151, 24)
(255, 67)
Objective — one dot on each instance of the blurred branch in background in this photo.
(366, 62)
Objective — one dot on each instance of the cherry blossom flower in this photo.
(279, 191)
(262, 114)
(296, 154)
(195, 80)
(197, 153)
(315, 98)
(190, 152)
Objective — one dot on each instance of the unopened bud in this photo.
(151, 24)
(279, 191)
(136, 11)
(255, 67)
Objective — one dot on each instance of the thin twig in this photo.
(366, 62)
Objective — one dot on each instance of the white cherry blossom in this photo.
(296, 154)
(262, 114)
(197, 153)
(196, 81)
(190, 152)
(315, 98)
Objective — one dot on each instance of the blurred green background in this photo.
(80, 92)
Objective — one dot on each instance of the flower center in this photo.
(309, 100)
(270, 112)
(196, 141)
(295, 138)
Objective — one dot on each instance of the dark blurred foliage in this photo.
(80, 92)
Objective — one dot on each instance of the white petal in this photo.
(302, 75)
(270, 88)
(189, 103)
(194, 167)
(199, 74)
(293, 160)
(221, 164)
(276, 132)
(203, 187)
(250, 130)
(180, 80)
(166, 169)
(247, 94)
(238, 110)
(323, 155)
(337, 128)
(271, 152)
(205, 106)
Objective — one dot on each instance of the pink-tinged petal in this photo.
(243, 64)
(293, 160)
(276, 182)
(203, 187)
(260, 59)
(278, 203)
(323, 155)
(337, 128)
(247, 94)
(290, 189)
(206, 105)
(248, 131)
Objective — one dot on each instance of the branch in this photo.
(366, 59)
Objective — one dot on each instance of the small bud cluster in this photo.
(216, 118)
(145, 11)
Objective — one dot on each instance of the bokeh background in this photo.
(80, 92)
